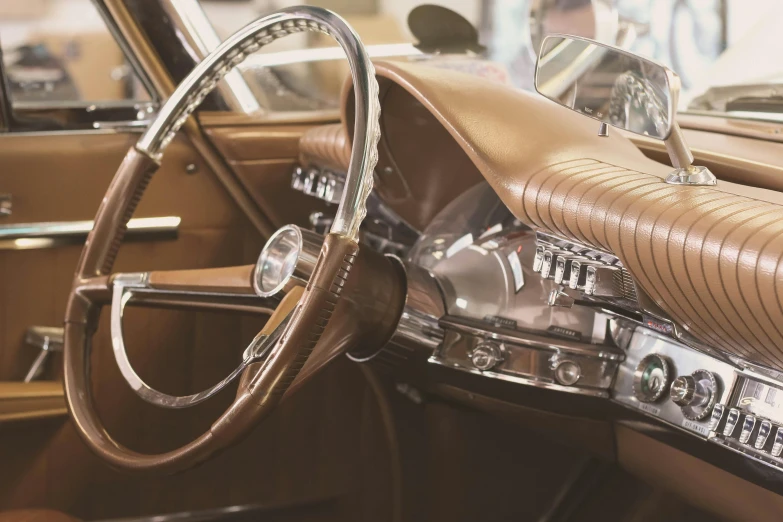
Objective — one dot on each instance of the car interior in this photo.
(365, 275)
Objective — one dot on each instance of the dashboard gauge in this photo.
(651, 378)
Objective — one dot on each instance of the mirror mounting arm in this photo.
(685, 173)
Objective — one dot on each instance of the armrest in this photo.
(31, 400)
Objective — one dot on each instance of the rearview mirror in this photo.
(608, 84)
(621, 89)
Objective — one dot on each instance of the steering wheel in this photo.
(279, 352)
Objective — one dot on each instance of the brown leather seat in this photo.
(35, 515)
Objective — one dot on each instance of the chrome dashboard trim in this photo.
(536, 383)
(527, 358)
(27, 236)
(682, 360)
(532, 340)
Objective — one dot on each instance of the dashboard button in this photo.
(562, 268)
(764, 431)
(777, 447)
(538, 259)
(717, 415)
(747, 428)
(731, 422)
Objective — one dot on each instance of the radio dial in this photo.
(695, 394)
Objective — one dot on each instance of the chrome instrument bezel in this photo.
(638, 376)
(527, 358)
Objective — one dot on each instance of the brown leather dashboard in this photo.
(710, 257)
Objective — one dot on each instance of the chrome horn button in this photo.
(287, 260)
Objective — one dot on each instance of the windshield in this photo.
(725, 51)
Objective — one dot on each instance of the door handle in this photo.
(24, 236)
(47, 339)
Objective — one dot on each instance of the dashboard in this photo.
(522, 307)
(543, 287)
(536, 310)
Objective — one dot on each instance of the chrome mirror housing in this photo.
(621, 89)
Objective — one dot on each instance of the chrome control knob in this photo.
(651, 378)
(486, 356)
(695, 394)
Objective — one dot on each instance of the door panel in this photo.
(263, 157)
(63, 178)
(326, 442)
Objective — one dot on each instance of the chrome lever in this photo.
(48, 339)
(6, 204)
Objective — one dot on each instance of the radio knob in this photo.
(651, 378)
(486, 356)
(695, 394)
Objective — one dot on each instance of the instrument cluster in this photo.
(543, 311)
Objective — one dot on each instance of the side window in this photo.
(59, 54)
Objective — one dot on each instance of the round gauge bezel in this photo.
(638, 375)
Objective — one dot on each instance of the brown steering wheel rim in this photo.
(260, 393)
(260, 389)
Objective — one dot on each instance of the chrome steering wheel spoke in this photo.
(124, 288)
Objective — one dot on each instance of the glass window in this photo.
(60, 52)
(723, 50)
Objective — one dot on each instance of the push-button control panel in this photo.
(739, 408)
(753, 418)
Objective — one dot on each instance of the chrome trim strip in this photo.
(69, 132)
(122, 126)
(529, 381)
(191, 21)
(324, 54)
(537, 341)
(26, 236)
